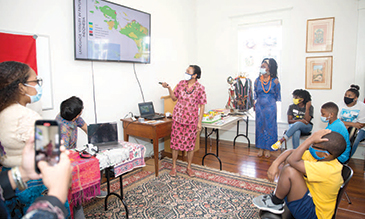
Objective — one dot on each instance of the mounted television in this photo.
(105, 31)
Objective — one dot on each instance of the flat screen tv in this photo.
(105, 31)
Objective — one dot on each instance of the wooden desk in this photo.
(148, 130)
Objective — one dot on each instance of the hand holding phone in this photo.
(57, 178)
(47, 139)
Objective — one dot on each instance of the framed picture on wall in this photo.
(320, 34)
(318, 72)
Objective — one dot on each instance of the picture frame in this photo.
(320, 34)
(318, 72)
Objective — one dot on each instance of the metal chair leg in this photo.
(348, 198)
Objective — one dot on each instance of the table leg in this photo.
(155, 152)
(107, 172)
(243, 135)
(206, 150)
(126, 137)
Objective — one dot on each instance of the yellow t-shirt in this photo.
(323, 180)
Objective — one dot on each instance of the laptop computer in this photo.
(103, 135)
(147, 111)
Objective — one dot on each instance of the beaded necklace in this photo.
(190, 91)
(265, 82)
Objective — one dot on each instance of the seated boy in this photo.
(69, 119)
(329, 113)
(310, 181)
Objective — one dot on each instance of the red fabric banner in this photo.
(21, 48)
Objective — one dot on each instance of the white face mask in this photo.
(262, 71)
(36, 97)
(187, 77)
(325, 119)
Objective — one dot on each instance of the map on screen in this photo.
(111, 32)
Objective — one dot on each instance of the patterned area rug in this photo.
(211, 194)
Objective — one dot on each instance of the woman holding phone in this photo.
(19, 86)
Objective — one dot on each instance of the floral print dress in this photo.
(186, 115)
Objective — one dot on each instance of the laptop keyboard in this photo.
(155, 117)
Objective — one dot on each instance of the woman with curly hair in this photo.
(19, 86)
(300, 114)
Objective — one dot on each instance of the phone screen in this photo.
(47, 142)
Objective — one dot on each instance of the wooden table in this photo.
(153, 131)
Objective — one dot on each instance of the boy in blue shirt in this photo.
(329, 113)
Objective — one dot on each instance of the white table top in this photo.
(225, 121)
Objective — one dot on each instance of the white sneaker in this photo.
(264, 202)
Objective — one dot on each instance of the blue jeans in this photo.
(295, 129)
(359, 137)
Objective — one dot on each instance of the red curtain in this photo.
(21, 48)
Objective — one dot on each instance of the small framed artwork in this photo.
(318, 72)
(320, 35)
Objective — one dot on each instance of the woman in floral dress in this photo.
(187, 115)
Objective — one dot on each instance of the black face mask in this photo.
(348, 100)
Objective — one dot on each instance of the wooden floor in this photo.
(243, 160)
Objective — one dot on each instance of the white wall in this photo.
(173, 44)
(217, 23)
(186, 32)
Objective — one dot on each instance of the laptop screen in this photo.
(102, 133)
(146, 109)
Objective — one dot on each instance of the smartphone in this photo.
(47, 140)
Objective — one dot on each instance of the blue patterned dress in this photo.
(266, 116)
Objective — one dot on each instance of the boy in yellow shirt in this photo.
(310, 180)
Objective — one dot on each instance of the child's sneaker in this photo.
(276, 146)
(264, 202)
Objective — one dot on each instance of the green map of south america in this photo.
(133, 29)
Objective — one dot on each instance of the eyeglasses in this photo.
(39, 81)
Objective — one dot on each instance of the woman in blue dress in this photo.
(266, 93)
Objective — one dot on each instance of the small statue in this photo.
(232, 94)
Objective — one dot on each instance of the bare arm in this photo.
(201, 112)
(273, 171)
(307, 117)
(171, 92)
(291, 120)
(295, 160)
(354, 124)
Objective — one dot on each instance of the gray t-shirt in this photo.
(298, 112)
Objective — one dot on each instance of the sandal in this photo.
(261, 152)
(173, 172)
(190, 172)
(267, 154)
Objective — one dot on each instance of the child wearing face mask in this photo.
(352, 114)
(300, 114)
(309, 178)
(329, 113)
